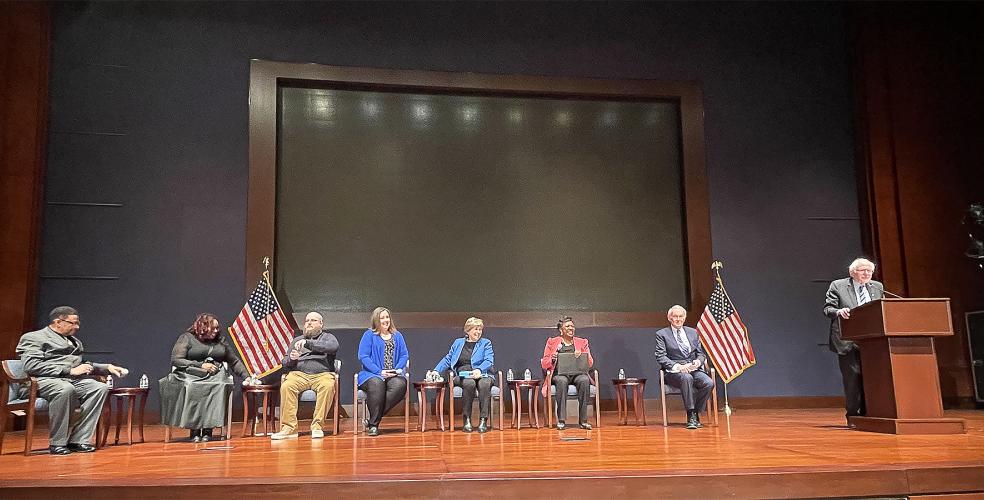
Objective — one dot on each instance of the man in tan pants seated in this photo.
(311, 365)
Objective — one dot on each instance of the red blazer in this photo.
(553, 344)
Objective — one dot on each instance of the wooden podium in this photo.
(898, 365)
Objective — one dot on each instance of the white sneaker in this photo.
(283, 434)
(317, 433)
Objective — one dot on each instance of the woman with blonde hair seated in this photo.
(472, 359)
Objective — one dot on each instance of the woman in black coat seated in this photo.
(193, 395)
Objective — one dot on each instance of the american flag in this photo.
(261, 332)
(724, 336)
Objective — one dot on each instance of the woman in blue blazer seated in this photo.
(472, 358)
(384, 357)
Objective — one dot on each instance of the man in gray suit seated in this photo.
(842, 296)
(54, 355)
(679, 353)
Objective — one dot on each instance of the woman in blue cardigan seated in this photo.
(384, 357)
(472, 358)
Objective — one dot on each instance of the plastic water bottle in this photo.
(527, 375)
(144, 383)
(509, 374)
(109, 381)
(621, 374)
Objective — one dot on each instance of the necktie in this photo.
(684, 344)
(863, 295)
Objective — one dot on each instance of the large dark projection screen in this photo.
(467, 203)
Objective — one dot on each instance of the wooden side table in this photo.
(638, 386)
(251, 395)
(440, 389)
(131, 396)
(532, 402)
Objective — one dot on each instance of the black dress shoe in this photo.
(59, 450)
(561, 425)
(483, 425)
(586, 426)
(467, 427)
(373, 431)
(81, 447)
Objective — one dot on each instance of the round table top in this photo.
(522, 382)
(260, 388)
(127, 391)
(628, 381)
(423, 384)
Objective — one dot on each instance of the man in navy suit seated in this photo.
(679, 353)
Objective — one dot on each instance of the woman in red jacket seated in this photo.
(564, 343)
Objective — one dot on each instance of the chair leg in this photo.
(406, 409)
(597, 401)
(662, 395)
(29, 433)
(714, 395)
(334, 418)
(355, 404)
(550, 422)
(228, 426)
(3, 424)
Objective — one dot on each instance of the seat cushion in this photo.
(308, 396)
(40, 404)
(572, 390)
(495, 391)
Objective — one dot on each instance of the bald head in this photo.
(313, 323)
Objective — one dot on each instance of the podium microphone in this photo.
(886, 292)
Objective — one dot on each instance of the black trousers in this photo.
(583, 384)
(850, 366)
(469, 387)
(382, 396)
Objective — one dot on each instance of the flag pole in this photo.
(716, 269)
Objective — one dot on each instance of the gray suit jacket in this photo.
(668, 351)
(841, 294)
(45, 353)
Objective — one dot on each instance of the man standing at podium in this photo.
(842, 296)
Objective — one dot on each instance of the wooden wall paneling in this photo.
(916, 95)
(24, 61)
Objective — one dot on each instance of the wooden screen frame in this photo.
(265, 77)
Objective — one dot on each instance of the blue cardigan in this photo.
(371, 349)
(482, 357)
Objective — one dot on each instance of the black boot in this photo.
(692, 422)
(467, 427)
(196, 435)
(207, 434)
(483, 425)
(697, 419)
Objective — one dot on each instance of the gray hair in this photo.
(858, 262)
(677, 306)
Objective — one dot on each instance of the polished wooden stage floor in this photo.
(755, 453)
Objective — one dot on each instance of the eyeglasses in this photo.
(869, 271)
(76, 323)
